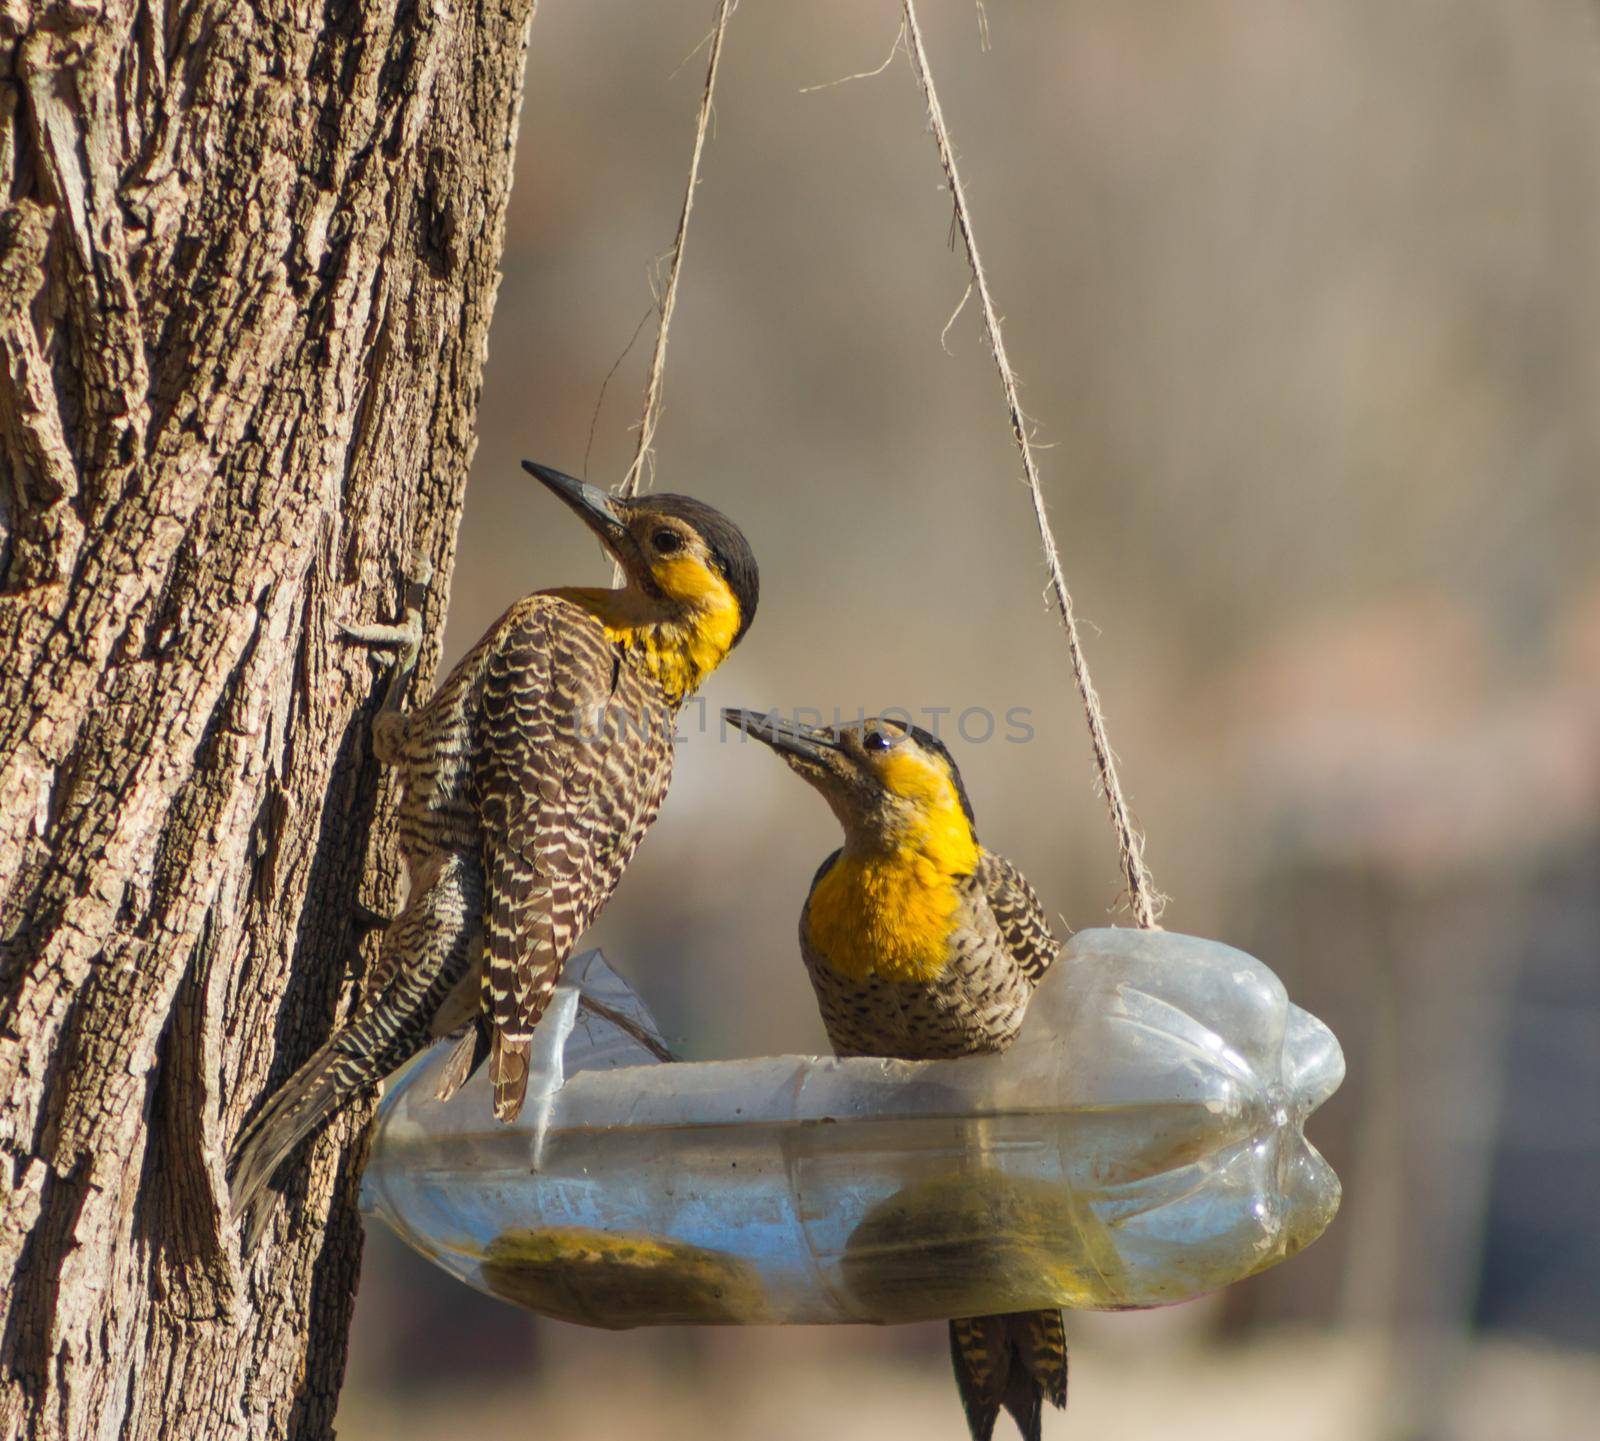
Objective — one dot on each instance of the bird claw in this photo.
(408, 632)
(407, 635)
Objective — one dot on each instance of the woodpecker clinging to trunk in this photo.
(922, 945)
(527, 781)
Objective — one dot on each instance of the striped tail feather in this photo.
(354, 1059)
(470, 1051)
(418, 982)
(297, 1109)
(1017, 1361)
(508, 1074)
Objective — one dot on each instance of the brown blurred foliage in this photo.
(1304, 298)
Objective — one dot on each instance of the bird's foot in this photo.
(380, 634)
(408, 633)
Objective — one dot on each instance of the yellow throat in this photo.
(889, 910)
(679, 649)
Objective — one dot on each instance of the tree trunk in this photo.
(248, 255)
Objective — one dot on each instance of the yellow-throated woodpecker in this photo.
(922, 945)
(527, 783)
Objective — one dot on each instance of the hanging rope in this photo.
(669, 299)
(1143, 898)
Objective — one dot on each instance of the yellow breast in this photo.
(888, 916)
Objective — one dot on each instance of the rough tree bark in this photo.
(247, 259)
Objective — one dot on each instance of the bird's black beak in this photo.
(788, 738)
(598, 510)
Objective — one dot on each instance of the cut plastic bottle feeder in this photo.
(1140, 1143)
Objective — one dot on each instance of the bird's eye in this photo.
(667, 542)
(875, 741)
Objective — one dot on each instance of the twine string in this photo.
(1143, 898)
(644, 454)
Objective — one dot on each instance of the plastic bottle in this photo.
(1140, 1143)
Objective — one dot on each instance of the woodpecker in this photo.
(923, 945)
(527, 783)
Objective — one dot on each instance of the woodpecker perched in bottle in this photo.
(922, 945)
(527, 783)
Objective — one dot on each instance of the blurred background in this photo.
(1305, 302)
